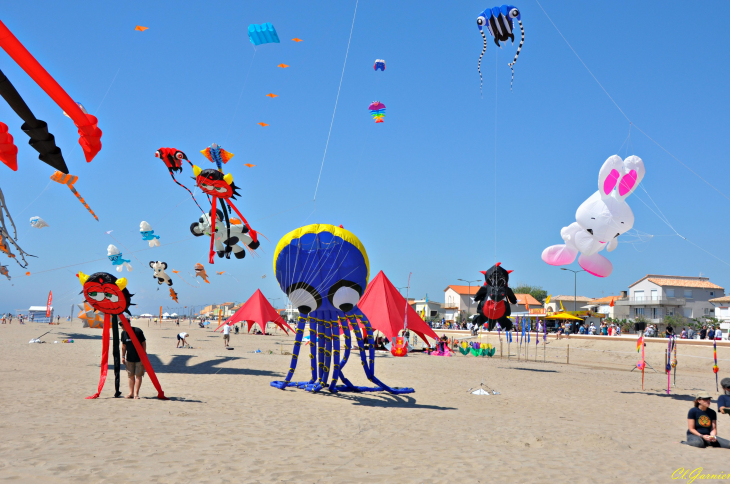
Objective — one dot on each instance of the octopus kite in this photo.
(500, 21)
(5, 240)
(377, 111)
(324, 271)
(109, 295)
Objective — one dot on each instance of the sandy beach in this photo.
(587, 421)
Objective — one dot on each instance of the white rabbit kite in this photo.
(600, 219)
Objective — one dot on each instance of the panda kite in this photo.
(160, 274)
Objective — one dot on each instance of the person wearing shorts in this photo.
(131, 360)
(181, 337)
(226, 335)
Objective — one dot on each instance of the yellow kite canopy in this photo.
(564, 316)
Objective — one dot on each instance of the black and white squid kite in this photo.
(500, 21)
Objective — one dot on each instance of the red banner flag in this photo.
(48, 304)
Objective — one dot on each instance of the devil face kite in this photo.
(109, 295)
(494, 298)
(218, 186)
(106, 293)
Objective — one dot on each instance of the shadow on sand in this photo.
(673, 396)
(383, 400)
(184, 364)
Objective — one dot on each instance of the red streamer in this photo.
(104, 357)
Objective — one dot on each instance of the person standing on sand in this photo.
(703, 332)
(702, 424)
(226, 335)
(131, 360)
(182, 337)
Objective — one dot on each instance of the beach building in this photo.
(432, 308)
(39, 314)
(655, 296)
(722, 308)
(603, 305)
(569, 303)
(461, 298)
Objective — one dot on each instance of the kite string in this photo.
(352, 27)
(240, 96)
(622, 111)
(496, 63)
(105, 258)
(664, 219)
(36, 198)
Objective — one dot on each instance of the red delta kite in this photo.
(385, 308)
(257, 310)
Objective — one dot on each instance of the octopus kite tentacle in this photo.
(479, 65)
(6, 240)
(517, 54)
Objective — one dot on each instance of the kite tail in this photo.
(479, 66)
(186, 188)
(104, 357)
(83, 202)
(517, 54)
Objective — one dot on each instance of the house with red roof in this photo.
(655, 296)
(460, 300)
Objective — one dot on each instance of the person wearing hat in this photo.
(702, 423)
(723, 402)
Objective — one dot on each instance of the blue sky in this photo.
(419, 189)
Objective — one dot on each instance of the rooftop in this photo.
(721, 300)
(605, 300)
(463, 290)
(679, 281)
(530, 300)
(571, 298)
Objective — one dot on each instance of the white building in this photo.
(432, 308)
(655, 296)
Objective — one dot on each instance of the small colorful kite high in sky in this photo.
(262, 34)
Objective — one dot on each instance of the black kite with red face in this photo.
(214, 183)
(106, 293)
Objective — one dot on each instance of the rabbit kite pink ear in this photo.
(634, 172)
(610, 182)
(627, 183)
(609, 175)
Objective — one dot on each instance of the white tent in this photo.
(173, 315)
(165, 315)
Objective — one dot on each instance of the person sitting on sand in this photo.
(723, 401)
(560, 331)
(182, 337)
(702, 423)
